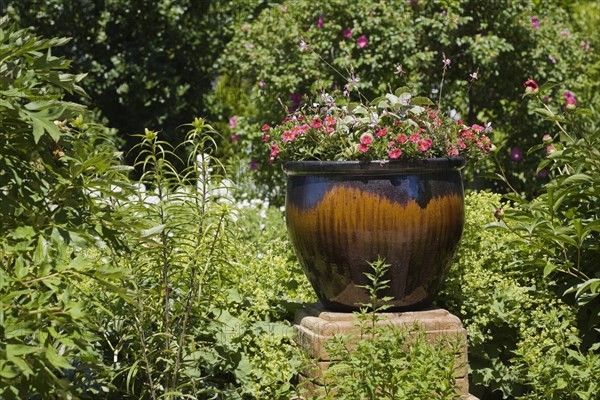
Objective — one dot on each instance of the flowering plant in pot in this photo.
(370, 181)
(396, 126)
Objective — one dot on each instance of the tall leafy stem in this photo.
(176, 261)
(562, 224)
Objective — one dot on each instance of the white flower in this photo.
(303, 46)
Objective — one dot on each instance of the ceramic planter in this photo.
(341, 215)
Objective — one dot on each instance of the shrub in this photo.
(388, 362)
(562, 225)
(53, 165)
(148, 65)
(403, 43)
(523, 338)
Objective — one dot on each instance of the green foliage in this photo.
(524, 340)
(496, 39)
(387, 361)
(205, 303)
(177, 244)
(267, 283)
(265, 287)
(53, 166)
(114, 290)
(393, 363)
(148, 64)
(562, 226)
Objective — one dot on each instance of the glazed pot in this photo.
(342, 215)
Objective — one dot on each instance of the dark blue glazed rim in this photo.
(374, 167)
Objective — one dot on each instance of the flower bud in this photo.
(570, 101)
(499, 214)
(531, 87)
(547, 138)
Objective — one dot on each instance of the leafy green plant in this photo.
(147, 66)
(176, 254)
(54, 164)
(397, 126)
(562, 225)
(523, 338)
(388, 362)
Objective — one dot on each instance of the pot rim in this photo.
(373, 167)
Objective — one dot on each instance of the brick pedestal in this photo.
(315, 326)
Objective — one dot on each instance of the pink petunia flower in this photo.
(316, 123)
(423, 145)
(415, 137)
(363, 148)
(477, 128)
(274, 150)
(362, 42)
(366, 139)
(330, 121)
(467, 135)
(402, 138)
(395, 153)
(288, 136)
(535, 22)
(381, 132)
(452, 151)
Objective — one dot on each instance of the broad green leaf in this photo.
(421, 101)
(578, 178)
(21, 269)
(7, 371)
(56, 360)
(549, 268)
(41, 251)
(23, 232)
(402, 90)
(38, 130)
(152, 231)
(548, 85)
(15, 350)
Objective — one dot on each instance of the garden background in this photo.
(142, 243)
